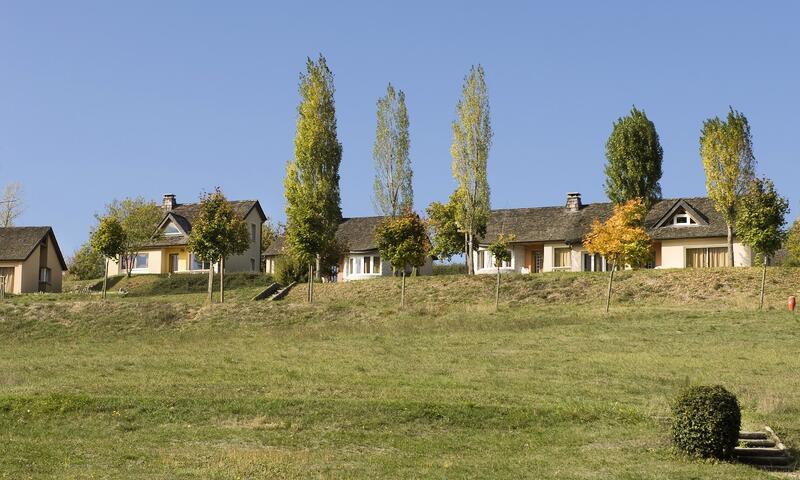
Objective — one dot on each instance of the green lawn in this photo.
(144, 386)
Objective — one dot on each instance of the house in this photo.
(686, 233)
(168, 251)
(30, 260)
(360, 259)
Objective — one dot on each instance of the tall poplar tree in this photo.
(393, 174)
(634, 157)
(472, 138)
(313, 211)
(726, 148)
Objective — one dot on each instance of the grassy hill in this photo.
(153, 384)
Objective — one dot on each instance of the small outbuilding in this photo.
(30, 260)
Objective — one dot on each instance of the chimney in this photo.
(169, 202)
(573, 201)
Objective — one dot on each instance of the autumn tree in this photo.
(472, 138)
(793, 243)
(726, 148)
(403, 241)
(217, 233)
(634, 157)
(139, 219)
(621, 239)
(500, 253)
(447, 238)
(108, 239)
(11, 204)
(760, 222)
(311, 186)
(393, 174)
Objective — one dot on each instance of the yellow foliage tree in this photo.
(621, 239)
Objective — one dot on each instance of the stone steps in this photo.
(763, 450)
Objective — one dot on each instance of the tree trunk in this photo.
(497, 291)
(403, 290)
(763, 282)
(467, 256)
(105, 280)
(222, 280)
(210, 282)
(310, 282)
(730, 246)
(471, 263)
(608, 294)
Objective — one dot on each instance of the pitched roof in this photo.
(356, 234)
(18, 243)
(184, 215)
(558, 224)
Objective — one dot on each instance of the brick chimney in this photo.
(574, 201)
(169, 202)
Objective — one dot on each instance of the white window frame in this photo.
(203, 268)
(685, 216)
(172, 234)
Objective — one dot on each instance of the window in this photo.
(376, 264)
(252, 264)
(594, 263)
(367, 264)
(197, 264)
(171, 229)
(706, 257)
(561, 258)
(350, 269)
(139, 261)
(252, 232)
(683, 219)
(44, 275)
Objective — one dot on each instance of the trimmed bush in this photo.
(706, 422)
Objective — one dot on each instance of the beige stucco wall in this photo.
(241, 263)
(56, 273)
(673, 252)
(17, 283)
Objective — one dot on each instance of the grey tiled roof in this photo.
(184, 215)
(17, 243)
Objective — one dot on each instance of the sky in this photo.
(102, 100)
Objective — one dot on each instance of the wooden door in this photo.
(8, 279)
(173, 262)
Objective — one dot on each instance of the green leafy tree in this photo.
(109, 240)
(448, 239)
(760, 222)
(500, 253)
(403, 241)
(86, 263)
(393, 174)
(311, 187)
(472, 138)
(621, 239)
(793, 243)
(634, 157)
(726, 148)
(139, 219)
(217, 233)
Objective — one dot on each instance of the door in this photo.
(173, 262)
(7, 279)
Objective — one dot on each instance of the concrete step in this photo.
(783, 461)
(759, 452)
(753, 436)
(757, 443)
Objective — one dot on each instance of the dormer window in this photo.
(171, 229)
(683, 220)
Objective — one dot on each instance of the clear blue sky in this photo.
(109, 99)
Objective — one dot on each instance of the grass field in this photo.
(157, 385)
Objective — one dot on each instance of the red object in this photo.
(791, 303)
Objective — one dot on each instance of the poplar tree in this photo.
(311, 187)
(472, 138)
(634, 157)
(393, 174)
(726, 148)
(760, 222)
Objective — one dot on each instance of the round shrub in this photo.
(706, 422)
